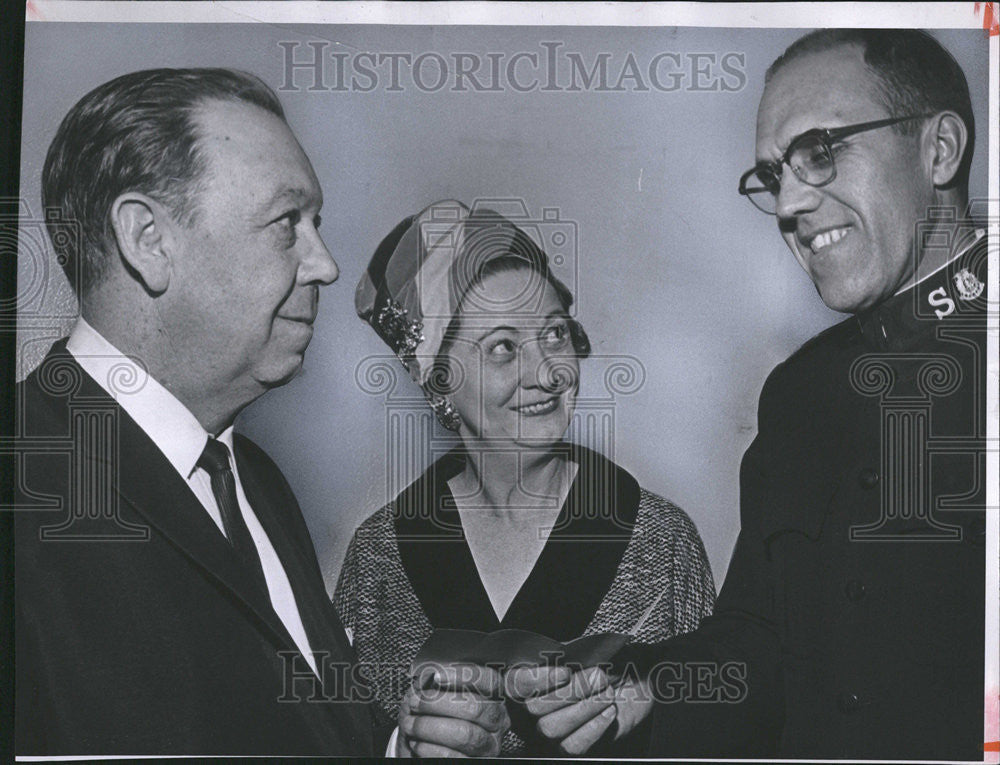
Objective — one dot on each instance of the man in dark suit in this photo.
(168, 598)
(851, 622)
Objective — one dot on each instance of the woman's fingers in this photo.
(528, 682)
(462, 677)
(583, 685)
(583, 738)
(559, 724)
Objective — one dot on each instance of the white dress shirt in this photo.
(181, 438)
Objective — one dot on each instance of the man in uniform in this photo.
(850, 624)
(168, 599)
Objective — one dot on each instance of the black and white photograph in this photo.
(486, 379)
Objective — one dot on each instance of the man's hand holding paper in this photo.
(453, 710)
(576, 709)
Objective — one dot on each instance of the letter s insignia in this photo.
(939, 297)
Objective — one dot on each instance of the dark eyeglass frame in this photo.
(827, 137)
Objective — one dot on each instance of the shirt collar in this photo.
(903, 320)
(169, 424)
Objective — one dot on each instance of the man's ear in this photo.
(947, 140)
(142, 229)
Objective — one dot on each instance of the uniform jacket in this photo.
(855, 595)
(136, 631)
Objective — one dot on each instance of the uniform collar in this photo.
(957, 288)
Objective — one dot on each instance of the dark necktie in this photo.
(215, 461)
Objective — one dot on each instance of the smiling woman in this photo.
(519, 369)
(514, 528)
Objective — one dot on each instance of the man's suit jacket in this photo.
(137, 632)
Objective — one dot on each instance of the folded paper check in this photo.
(510, 648)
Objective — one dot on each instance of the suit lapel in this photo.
(319, 618)
(147, 483)
(150, 485)
(274, 504)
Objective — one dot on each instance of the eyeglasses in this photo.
(810, 156)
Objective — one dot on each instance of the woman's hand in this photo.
(576, 709)
(455, 710)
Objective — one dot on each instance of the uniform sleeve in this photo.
(742, 712)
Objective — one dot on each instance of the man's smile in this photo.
(817, 241)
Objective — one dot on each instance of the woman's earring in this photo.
(445, 411)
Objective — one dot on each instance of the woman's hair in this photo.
(439, 381)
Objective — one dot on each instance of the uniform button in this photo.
(855, 590)
(868, 478)
(848, 702)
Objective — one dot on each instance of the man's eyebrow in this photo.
(818, 129)
(295, 194)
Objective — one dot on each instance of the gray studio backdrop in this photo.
(688, 293)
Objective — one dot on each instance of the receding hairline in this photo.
(780, 65)
(137, 133)
(206, 109)
(873, 87)
(784, 61)
(208, 134)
